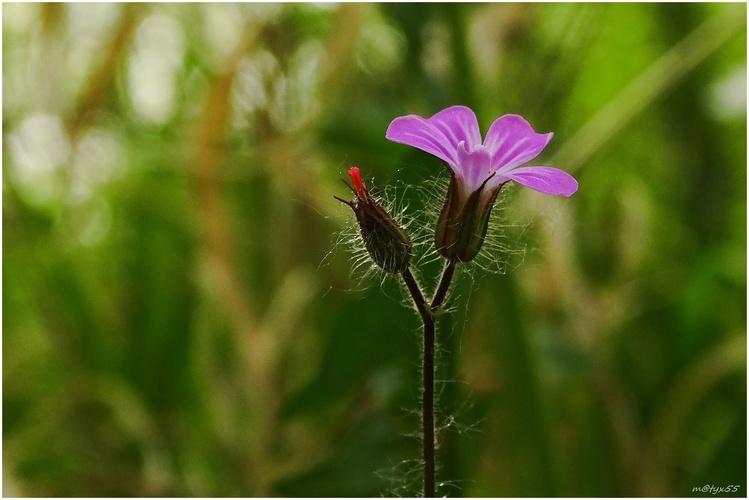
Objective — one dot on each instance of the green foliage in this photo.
(180, 315)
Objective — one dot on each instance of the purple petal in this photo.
(512, 141)
(474, 166)
(458, 123)
(438, 135)
(545, 179)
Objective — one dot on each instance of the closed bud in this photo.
(385, 241)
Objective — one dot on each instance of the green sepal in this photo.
(463, 222)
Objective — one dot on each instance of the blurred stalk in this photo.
(102, 76)
(516, 362)
(707, 199)
(48, 68)
(51, 15)
(284, 156)
(340, 46)
(287, 154)
(218, 243)
(652, 83)
(618, 406)
(461, 58)
(693, 387)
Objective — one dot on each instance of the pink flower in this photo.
(453, 136)
(478, 169)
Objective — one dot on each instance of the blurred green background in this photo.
(180, 314)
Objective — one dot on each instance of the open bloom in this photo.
(386, 242)
(478, 169)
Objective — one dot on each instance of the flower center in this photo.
(474, 165)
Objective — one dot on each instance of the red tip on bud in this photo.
(355, 175)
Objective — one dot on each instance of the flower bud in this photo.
(387, 243)
(464, 219)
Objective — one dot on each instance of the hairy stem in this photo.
(427, 396)
(448, 446)
(444, 285)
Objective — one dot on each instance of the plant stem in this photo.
(427, 397)
(448, 450)
(427, 394)
(441, 293)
